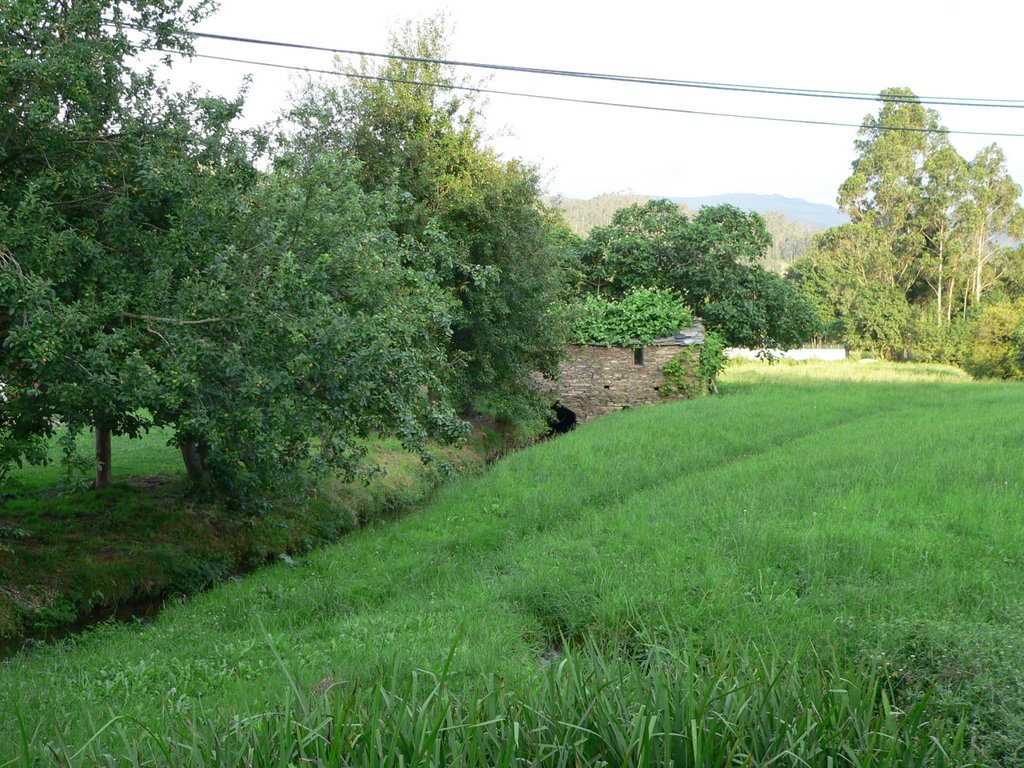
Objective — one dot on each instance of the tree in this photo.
(82, 211)
(151, 275)
(992, 211)
(712, 262)
(720, 246)
(848, 276)
(315, 332)
(928, 228)
(483, 232)
(941, 221)
(996, 344)
(642, 243)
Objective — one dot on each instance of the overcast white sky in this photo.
(936, 47)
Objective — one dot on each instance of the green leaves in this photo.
(928, 236)
(710, 263)
(642, 315)
(474, 224)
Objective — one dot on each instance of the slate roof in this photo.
(684, 338)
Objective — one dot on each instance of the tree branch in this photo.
(176, 320)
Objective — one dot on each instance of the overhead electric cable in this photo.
(602, 103)
(697, 84)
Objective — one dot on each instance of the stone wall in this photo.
(596, 380)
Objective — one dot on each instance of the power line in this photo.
(602, 103)
(697, 84)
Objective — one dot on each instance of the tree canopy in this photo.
(92, 171)
(712, 261)
(932, 235)
(276, 296)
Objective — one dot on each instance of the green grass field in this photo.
(152, 455)
(823, 563)
(70, 557)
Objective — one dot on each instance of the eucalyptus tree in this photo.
(890, 172)
(942, 221)
(992, 212)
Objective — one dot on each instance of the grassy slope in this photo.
(866, 512)
(65, 555)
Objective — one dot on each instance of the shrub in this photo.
(689, 373)
(996, 346)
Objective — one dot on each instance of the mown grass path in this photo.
(863, 517)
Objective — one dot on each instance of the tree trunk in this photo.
(938, 294)
(950, 296)
(103, 474)
(980, 245)
(194, 453)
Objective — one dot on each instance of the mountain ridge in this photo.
(820, 215)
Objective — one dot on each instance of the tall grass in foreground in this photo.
(869, 512)
(673, 709)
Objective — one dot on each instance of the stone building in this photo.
(596, 379)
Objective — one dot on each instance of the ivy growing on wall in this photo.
(694, 370)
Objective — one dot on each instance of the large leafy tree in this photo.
(481, 230)
(84, 204)
(711, 261)
(151, 275)
(849, 276)
(311, 330)
(641, 242)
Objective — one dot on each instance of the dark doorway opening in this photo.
(561, 420)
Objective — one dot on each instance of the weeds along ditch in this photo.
(820, 565)
(70, 559)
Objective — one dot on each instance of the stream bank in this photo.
(71, 560)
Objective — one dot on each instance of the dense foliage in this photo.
(642, 315)
(488, 240)
(996, 349)
(790, 237)
(934, 238)
(94, 160)
(711, 261)
(369, 266)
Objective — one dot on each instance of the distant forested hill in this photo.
(818, 215)
(790, 238)
(792, 222)
(583, 215)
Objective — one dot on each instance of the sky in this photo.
(938, 48)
